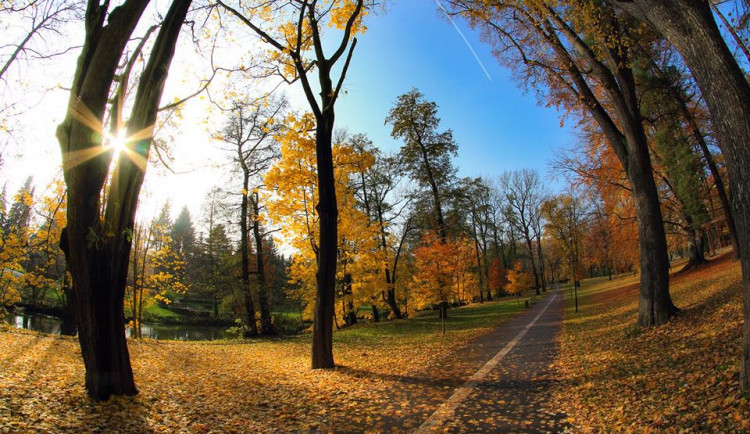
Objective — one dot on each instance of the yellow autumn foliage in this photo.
(30, 256)
(292, 200)
(519, 279)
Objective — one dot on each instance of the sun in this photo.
(119, 142)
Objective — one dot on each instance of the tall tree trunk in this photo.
(627, 138)
(251, 328)
(98, 247)
(726, 206)
(530, 246)
(485, 273)
(322, 345)
(266, 322)
(101, 332)
(390, 278)
(694, 238)
(541, 259)
(721, 191)
(479, 258)
(690, 26)
(655, 305)
(435, 195)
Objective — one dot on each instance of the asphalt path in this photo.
(509, 393)
(497, 383)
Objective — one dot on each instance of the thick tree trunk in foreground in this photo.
(690, 26)
(98, 246)
(655, 304)
(322, 345)
(627, 138)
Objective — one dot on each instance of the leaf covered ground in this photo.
(680, 377)
(390, 375)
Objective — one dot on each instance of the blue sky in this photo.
(496, 125)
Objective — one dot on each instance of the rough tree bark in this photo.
(690, 26)
(655, 304)
(322, 345)
(98, 246)
(623, 127)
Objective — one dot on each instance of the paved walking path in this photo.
(498, 383)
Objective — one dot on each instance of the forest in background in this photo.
(370, 232)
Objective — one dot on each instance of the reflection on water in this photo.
(57, 326)
(40, 323)
(181, 332)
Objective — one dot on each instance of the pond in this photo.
(57, 326)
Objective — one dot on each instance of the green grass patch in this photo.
(427, 324)
(154, 312)
(205, 305)
(289, 314)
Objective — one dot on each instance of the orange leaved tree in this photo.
(519, 280)
(443, 272)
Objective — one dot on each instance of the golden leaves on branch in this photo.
(292, 206)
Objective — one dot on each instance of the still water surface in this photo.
(181, 332)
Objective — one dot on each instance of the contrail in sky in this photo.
(479, 61)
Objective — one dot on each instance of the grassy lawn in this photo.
(244, 386)
(154, 312)
(683, 376)
(466, 319)
(288, 314)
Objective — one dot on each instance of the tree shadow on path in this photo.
(513, 397)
